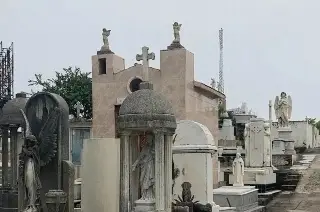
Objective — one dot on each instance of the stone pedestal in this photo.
(56, 201)
(257, 176)
(243, 198)
(284, 134)
(144, 205)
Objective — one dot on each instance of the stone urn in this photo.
(56, 200)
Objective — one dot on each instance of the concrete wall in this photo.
(301, 133)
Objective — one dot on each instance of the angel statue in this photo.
(283, 109)
(176, 32)
(146, 163)
(30, 159)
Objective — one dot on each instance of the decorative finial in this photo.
(105, 49)
(176, 33)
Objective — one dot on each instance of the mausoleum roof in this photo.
(11, 114)
(144, 109)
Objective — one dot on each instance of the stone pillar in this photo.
(124, 171)
(168, 171)
(159, 171)
(5, 180)
(13, 155)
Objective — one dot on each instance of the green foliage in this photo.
(311, 121)
(71, 84)
(317, 125)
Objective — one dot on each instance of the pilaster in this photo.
(125, 172)
(159, 171)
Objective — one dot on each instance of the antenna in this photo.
(221, 82)
(6, 73)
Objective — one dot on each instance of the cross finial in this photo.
(78, 106)
(145, 57)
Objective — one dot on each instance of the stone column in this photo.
(5, 179)
(168, 171)
(159, 171)
(125, 171)
(13, 155)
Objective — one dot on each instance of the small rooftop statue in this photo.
(105, 49)
(176, 33)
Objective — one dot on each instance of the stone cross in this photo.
(78, 106)
(145, 57)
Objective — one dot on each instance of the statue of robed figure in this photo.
(36, 152)
(238, 170)
(283, 109)
(146, 163)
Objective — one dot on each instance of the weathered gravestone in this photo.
(47, 134)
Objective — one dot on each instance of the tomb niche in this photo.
(11, 120)
(148, 115)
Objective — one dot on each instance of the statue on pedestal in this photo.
(283, 109)
(238, 170)
(105, 35)
(176, 32)
(147, 173)
(36, 152)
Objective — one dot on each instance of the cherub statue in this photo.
(37, 151)
(176, 32)
(283, 109)
(105, 35)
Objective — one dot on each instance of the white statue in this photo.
(238, 170)
(176, 32)
(213, 83)
(283, 109)
(105, 35)
(146, 163)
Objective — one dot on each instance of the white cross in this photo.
(145, 57)
(78, 106)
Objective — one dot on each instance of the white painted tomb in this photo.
(100, 175)
(193, 154)
(258, 169)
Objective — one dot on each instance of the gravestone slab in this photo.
(242, 198)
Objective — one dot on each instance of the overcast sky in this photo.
(269, 46)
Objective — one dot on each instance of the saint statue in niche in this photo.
(146, 163)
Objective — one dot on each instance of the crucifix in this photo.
(78, 106)
(145, 57)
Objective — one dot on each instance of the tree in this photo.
(73, 85)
